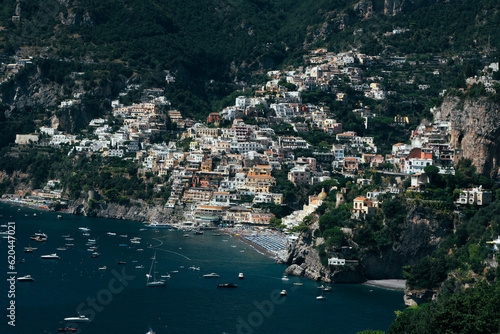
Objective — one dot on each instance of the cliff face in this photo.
(30, 90)
(475, 131)
(139, 212)
(419, 236)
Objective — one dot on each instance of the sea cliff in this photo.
(419, 235)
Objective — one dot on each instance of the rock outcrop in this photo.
(139, 211)
(475, 131)
(420, 234)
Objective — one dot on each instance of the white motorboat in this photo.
(194, 268)
(241, 276)
(26, 278)
(156, 224)
(52, 256)
(80, 318)
(211, 275)
(283, 293)
(84, 229)
(284, 278)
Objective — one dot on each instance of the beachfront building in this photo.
(205, 213)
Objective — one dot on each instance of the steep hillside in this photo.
(415, 231)
(220, 39)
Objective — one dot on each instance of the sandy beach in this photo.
(391, 284)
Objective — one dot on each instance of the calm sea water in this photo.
(118, 300)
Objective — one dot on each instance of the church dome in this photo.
(322, 195)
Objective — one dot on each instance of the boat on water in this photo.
(61, 248)
(298, 283)
(52, 256)
(111, 233)
(84, 229)
(80, 318)
(186, 235)
(135, 241)
(139, 267)
(198, 232)
(216, 234)
(165, 276)
(211, 275)
(193, 268)
(150, 332)
(29, 249)
(59, 217)
(39, 237)
(283, 293)
(241, 276)
(327, 288)
(155, 224)
(227, 285)
(103, 268)
(95, 254)
(321, 297)
(284, 278)
(121, 262)
(26, 278)
(152, 281)
(67, 330)
(174, 272)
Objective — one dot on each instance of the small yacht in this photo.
(95, 254)
(39, 237)
(241, 276)
(283, 293)
(84, 229)
(165, 276)
(103, 268)
(29, 249)
(80, 318)
(139, 267)
(211, 275)
(52, 256)
(327, 288)
(59, 217)
(194, 268)
(111, 233)
(321, 297)
(26, 278)
(284, 278)
(298, 283)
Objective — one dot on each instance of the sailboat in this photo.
(152, 281)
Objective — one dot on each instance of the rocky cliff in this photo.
(139, 211)
(420, 234)
(475, 131)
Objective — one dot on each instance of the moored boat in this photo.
(52, 256)
(80, 318)
(211, 275)
(241, 276)
(26, 278)
(227, 285)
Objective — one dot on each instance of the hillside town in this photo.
(222, 170)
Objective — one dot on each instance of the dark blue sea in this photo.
(117, 300)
